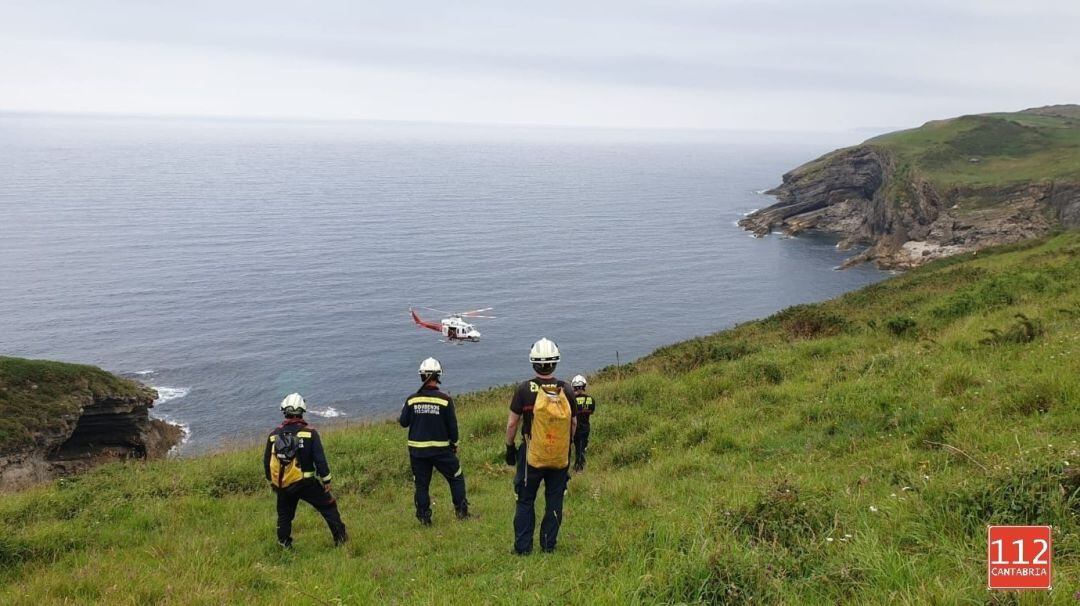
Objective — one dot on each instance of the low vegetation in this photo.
(851, 451)
(992, 150)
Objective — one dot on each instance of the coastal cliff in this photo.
(57, 419)
(945, 188)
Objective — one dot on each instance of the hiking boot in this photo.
(463, 512)
(341, 539)
(287, 544)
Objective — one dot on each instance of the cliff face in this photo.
(910, 203)
(859, 195)
(64, 418)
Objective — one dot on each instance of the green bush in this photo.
(900, 326)
(809, 322)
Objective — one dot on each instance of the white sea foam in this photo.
(747, 214)
(185, 434)
(328, 413)
(169, 393)
(143, 373)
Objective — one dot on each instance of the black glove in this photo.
(511, 454)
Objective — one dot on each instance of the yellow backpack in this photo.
(549, 445)
(284, 460)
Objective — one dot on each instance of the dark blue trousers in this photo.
(527, 485)
(448, 465)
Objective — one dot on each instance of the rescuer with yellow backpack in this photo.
(541, 407)
(296, 468)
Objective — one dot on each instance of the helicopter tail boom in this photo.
(428, 325)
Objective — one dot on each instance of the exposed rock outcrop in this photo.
(860, 195)
(90, 424)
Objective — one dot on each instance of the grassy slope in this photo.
(1012, 148)
(39, 396)
(721, 468)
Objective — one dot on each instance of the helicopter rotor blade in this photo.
(439, 311)
(476, 311)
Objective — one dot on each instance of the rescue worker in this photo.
(586, 406)
(433, 437)
(542, 409)
(295, 465)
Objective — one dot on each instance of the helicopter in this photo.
(453, 326)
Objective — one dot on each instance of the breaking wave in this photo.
(170, 393)
(327, 413)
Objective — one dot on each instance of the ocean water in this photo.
(229, 263)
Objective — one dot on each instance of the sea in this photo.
(230, 262)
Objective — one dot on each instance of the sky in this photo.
(783, 65)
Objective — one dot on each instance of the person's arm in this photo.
(451, 423)
(318, 456)
(573, 427)
(266, 459)
(406, 415)
(512, 422)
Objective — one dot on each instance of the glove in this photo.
(511, 454)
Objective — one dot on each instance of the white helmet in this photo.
(429, 368)
(578, 382)
(544, 351)
(293, 404)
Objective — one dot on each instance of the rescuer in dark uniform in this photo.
(433, 436)
(586, 406)
(540, 406)
(295, 465)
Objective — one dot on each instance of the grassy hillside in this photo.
(851, 451)
(1031, 146)
(43, 398)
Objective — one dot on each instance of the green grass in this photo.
(1032, 146)
(890, 420)
(40, 399)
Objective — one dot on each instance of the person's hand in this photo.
(511, 454)
(326, 488)
(453, 448)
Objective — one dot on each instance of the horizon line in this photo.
(389, 121)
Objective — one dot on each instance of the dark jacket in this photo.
(429, 415)
(586, 406)
(311, 456)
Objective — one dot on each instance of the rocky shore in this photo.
(65, 418)
(885, 199)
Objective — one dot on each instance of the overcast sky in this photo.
(765, 64)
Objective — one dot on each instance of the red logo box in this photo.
(1019, 557)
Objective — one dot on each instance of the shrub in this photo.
(956, 382)
(900, 326)
(933, 432)
(1036, 494)
(783, 516)
(769, 372)
(703, 351)
(809, 322)
(1032, 398)
(1024, 330)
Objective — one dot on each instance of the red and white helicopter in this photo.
(454, 327)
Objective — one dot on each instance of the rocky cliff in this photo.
(59, 419)
(946, 188)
